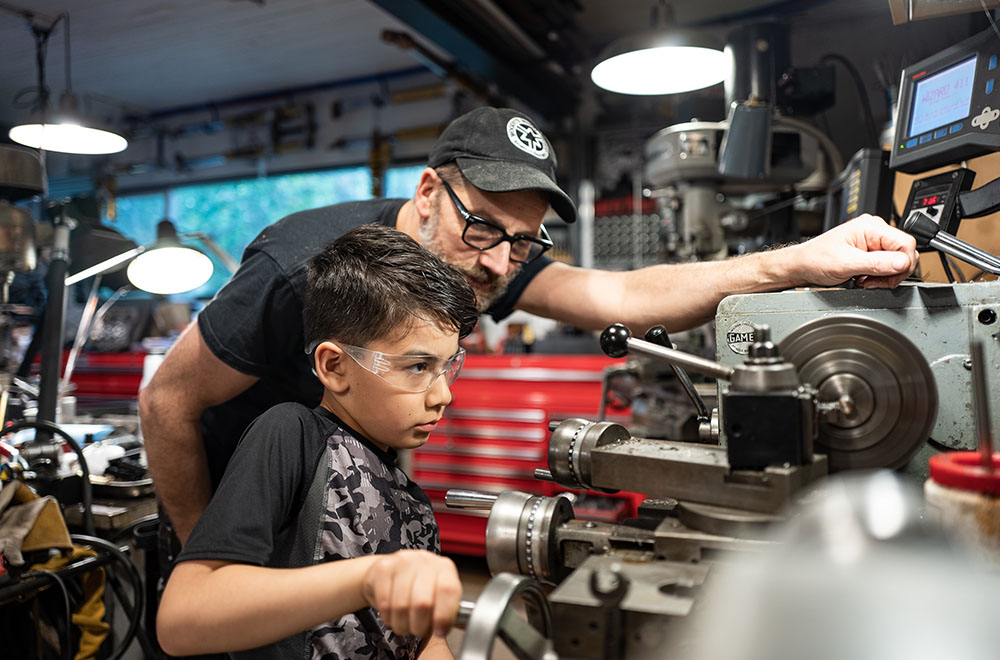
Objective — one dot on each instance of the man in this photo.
(479, 206)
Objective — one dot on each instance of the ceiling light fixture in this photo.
(664, 60)
(64, 130)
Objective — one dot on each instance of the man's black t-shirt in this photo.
(304, 489)
(254, 324)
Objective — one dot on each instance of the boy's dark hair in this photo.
(374, 281)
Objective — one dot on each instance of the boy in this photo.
(316, 543)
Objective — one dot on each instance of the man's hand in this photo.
(414, 591)
(866, 248)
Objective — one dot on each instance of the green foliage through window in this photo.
(234, 212)
(402, 181)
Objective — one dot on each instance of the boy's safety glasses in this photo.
(413, 373)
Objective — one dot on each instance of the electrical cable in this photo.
(41, 90)
(825, 143)
(947, 268)
(128, 529)
(87, 493)
(67, 639)
(40, 102)
(939, 446)
(989, 17)
(67, 71)
(957, 269)
(132, 610)
(866, 106)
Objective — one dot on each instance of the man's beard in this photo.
(497, 283)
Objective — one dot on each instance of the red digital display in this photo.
(931, 200)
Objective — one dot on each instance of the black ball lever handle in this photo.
(614, 340)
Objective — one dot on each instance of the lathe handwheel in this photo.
(890, 390)
(495, 616)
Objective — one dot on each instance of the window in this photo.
(136, 216)
(402, 181)
(234, 212)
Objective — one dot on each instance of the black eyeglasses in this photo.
(483, 234)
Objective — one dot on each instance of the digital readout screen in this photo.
(943, 98)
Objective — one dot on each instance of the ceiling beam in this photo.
(541, 91)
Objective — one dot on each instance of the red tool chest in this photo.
(495, 433)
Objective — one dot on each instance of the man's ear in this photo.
(329, 361)
(423, 200)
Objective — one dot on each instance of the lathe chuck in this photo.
(887, 395)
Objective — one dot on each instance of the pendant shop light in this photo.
(664, 60)
(63, 130)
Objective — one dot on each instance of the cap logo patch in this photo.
(527, 138)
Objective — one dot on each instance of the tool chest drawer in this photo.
(495, 434)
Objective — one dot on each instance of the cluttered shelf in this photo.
(56, 582)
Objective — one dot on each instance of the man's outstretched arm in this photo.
(681, 296)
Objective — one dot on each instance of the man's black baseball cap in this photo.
(501, 150)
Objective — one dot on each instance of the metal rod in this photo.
(457, 498)
(544, 474)
(680, 358)
(104, 266)
(658, 335)
(82, 333)
(637, 244)
(962, 246)
(33, 581)
(967, 253)
(230, 264)
(464, 612)
(55, 316)
(982, 401)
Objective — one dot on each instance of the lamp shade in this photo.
(168, 266)
(68, 138)
(66, 131)
(170, 269)
(662, 61)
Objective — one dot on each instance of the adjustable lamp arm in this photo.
(105, 266)
(231, 264)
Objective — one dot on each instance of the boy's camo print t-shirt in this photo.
(303, 488)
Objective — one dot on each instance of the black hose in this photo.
(133, 610)
(866, 106)
(87, 493)
(128, 529)
(66, 637)
(947, 268)
(144, 643)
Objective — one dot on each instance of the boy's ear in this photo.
(329, 360)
